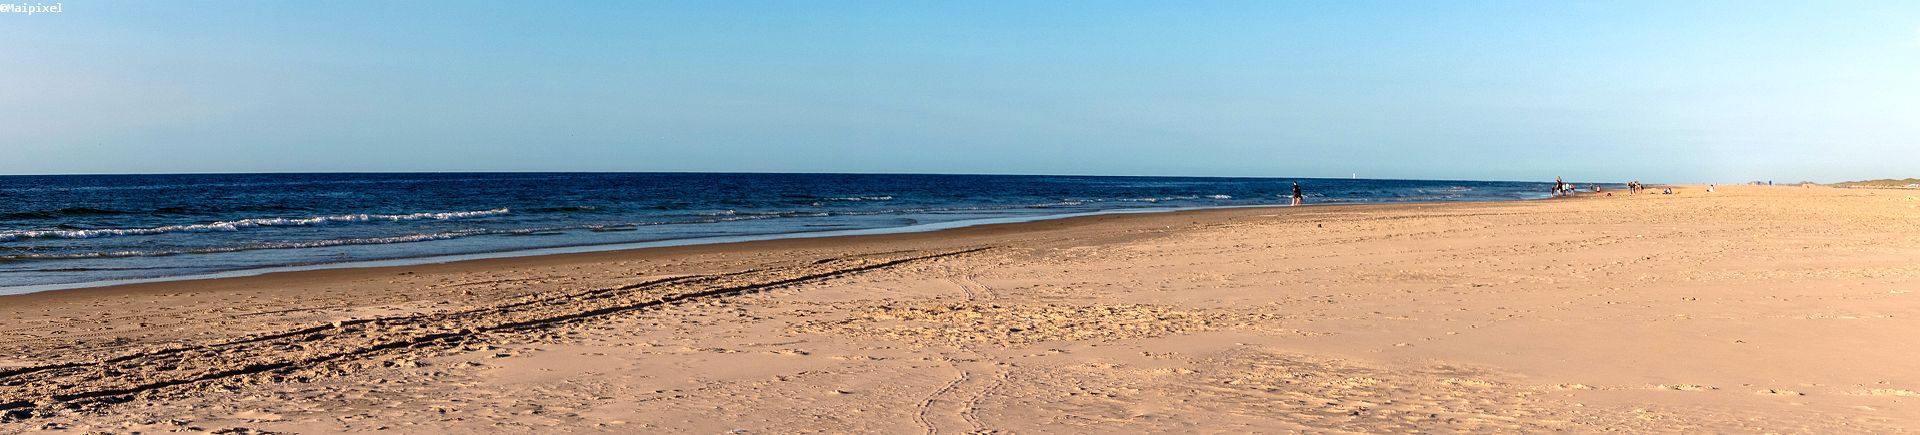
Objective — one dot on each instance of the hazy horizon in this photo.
(984, 174)
(1615, 91)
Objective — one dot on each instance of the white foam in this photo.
(1164, 198)
(239, 224)
(254, 247)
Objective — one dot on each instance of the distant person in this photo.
(1297, 196)
(1709, 188)
(1669, 191)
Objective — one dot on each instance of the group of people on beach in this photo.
(1634, 187)
(1563, 188)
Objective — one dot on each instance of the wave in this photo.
(93, 269)
(197, 210)
(866, 198)
(768, 215)
(733, 215)
(545, 231)
(562, 209)
(236, 225)
(245, 184)
(89, 211)
(251, 247)
(1163, 198)
(65, 212)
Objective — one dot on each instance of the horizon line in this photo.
(82, 174)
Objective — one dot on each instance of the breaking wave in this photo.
(251, 247)
(237, 225)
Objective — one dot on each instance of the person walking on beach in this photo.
(1296, 193)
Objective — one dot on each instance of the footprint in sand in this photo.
(258, 416)
(1890, 392)
(1684, 387)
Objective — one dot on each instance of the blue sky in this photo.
(1522, 90)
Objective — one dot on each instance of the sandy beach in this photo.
(1749, 309)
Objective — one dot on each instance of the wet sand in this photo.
(1780, 309)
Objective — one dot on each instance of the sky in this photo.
(1659, 91)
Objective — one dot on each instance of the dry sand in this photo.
(1780, 309)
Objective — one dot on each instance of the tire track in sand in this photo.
(320, 351)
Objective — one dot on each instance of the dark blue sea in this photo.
(60, 230)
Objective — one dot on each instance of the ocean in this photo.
(71, 230)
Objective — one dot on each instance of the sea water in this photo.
(79, 229)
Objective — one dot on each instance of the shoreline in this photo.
(8, 291)
(209, 230)
(1749, 309)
